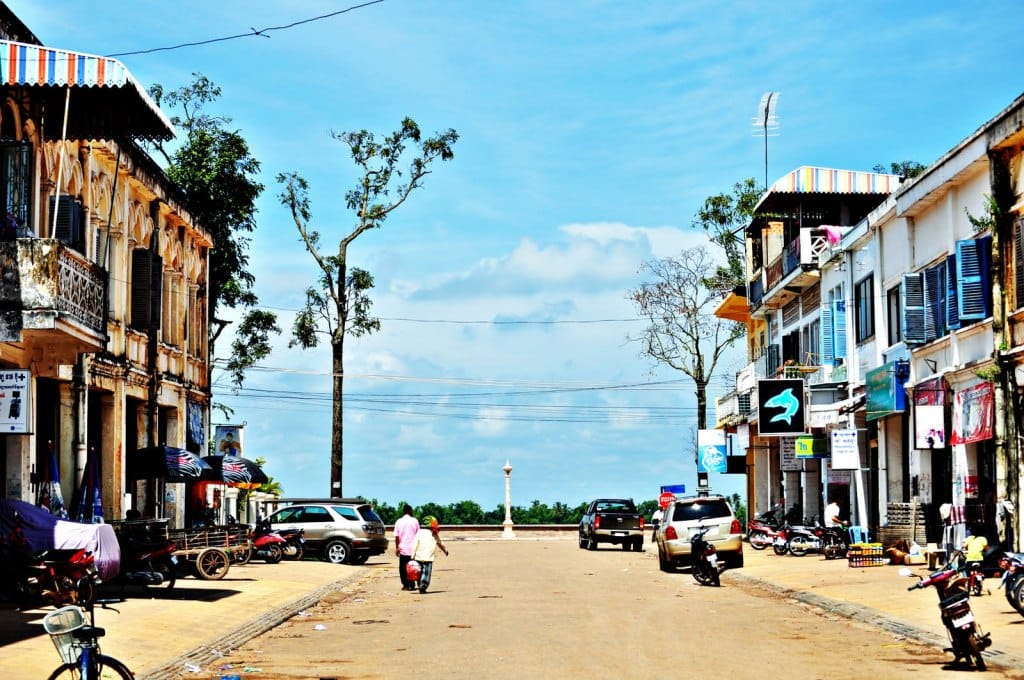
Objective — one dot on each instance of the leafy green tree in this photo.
(906, 169)
(217, 173)
(467, 512)
(723, 217)
(435, 509)
(339, 304)
(739, 508)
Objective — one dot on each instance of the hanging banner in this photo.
(711, 451)
(228, 440)
(973, 414)
(929, 426)
(14, 401)
(845, 450)
(780, 407)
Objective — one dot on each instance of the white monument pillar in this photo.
(507, 532)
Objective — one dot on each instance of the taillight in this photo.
(670, 533)
(735, 527)
(597, 521)
(641, 522)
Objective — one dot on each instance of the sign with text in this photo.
(14, 401)
(845, 450)
(711, 450)
(811, 447)
(780, 407)
(787, 452)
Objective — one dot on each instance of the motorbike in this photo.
(146, 560)
(706, 569)
(835, 541)
(965, 634)
(1012, 580)
(294, 543)
(267, 545)
(764, 535)
(57, 576)
(802, 540)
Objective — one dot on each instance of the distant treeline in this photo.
(470, 512)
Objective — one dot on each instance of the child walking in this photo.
(424, 547)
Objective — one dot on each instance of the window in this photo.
(1018, 259)
(892, 319)
(809, 342)
(864, 293)
(15, 189)
(833, 332)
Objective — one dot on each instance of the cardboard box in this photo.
(914, 559)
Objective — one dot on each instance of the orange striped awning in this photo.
(106, 101)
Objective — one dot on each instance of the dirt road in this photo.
(541, 608)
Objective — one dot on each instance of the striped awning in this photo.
(106, 101)
(812, 180)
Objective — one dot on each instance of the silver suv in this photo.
(683, 516)
(343, 531)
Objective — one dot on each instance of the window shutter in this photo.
(827, 336)
(934, 303)
(1018, 259)
(952, 296)
(974, 276)
(839, 328)
(912, 297)
(147, 282)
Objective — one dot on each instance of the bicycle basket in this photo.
(60, 624)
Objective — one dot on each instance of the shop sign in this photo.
(811, 447)
(780, 407)
(711, 451)
(973, 414)
(14, 401)
(885, 395)
(845, 450)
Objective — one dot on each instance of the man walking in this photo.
(406, 528)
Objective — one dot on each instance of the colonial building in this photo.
(103, 273)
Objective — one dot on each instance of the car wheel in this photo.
(663, 562)
(626, 545)
(591, 543)
(583, 541)
(638, 544)
(360, 558)
(337, 552)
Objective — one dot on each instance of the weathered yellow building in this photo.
(103, 273)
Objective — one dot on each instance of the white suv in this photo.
(683, 516)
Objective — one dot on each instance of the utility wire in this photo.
(253, 32)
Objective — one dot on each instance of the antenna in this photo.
(766, 123)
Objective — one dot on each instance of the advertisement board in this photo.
(14, 401)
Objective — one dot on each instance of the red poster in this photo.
(973, 414)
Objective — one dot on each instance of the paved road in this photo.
(536, 608)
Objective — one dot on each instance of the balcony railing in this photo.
(50, 284)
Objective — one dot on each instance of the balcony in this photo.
(787, 276)
(51, 294)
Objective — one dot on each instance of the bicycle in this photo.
(77, 642)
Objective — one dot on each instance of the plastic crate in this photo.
(61, 624)
(866, 555)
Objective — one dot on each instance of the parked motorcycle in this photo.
(705, 558)
(147, 557)
(1012, 580)
(764, 534)
(802, 540)
(57, 576)
(266, 545)
(294, 543)
(965, 634)
(835, 541)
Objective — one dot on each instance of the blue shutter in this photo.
(952, 297)
(839, 328)
(974, 275)
(827, 336)
(912, 303)
(934, 302)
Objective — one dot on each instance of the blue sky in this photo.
(591, 132)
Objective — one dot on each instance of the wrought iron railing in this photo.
(80, 289)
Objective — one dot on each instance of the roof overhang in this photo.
(103, 100)
(734, 308)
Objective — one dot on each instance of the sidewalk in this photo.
(878, 596)
(162, 635)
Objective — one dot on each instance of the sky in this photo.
(590, 134)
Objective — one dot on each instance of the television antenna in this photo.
(766, 123)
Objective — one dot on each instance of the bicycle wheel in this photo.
(108, 667)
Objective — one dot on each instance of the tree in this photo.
(723, 217)
(682, 331)
(216, 172)
(339, 304)
(905, 169)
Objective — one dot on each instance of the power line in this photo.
(252, 33)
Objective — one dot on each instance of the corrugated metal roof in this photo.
(810, 180)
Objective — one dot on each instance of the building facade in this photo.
(103, 316)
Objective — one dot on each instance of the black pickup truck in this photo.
(612, 520)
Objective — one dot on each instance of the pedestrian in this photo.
(406, 528)
(833, 517)
(976, 544)
(656, 518)
(424, 547)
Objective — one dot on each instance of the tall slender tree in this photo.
(339, 304)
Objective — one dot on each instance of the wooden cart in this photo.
(211, 549)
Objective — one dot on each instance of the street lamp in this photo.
(507, 532)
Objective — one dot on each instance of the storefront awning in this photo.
(106, 102)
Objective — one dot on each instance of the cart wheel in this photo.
(212, 564)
